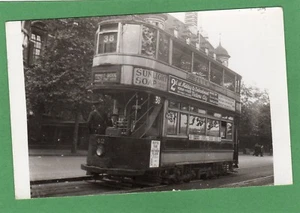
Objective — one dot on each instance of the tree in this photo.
(255, 122)
(58, 81)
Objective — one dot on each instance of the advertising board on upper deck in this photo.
(150, 78)
(186, 89)
(168, 83)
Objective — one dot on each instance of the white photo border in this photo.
(278, 102)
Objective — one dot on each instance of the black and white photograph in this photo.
(144, 103)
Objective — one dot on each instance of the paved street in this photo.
(54, 167)
(253, 171)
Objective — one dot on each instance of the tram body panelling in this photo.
(122, 156)
(122, 71)
(131, 156)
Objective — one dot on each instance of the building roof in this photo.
(221, 51)
(183, 30)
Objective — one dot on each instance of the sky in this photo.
(254, 38)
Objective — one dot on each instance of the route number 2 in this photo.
(173, 84)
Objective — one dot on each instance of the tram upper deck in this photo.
(135, 54)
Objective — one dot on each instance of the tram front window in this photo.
(107, 40)
(135, 114)
(107, 43)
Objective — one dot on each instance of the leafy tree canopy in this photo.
(58, 80)
(255, 119)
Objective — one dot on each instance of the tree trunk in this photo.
(75, 134)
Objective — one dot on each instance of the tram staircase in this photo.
(146, 122)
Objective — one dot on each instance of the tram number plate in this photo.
(154, 154)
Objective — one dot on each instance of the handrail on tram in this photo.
(135, 122)
(125, 109)
(140, 105)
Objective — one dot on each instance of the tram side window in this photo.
(229, 81)
(108, 38)
(173, 104)
(226, 130)
(184, 106)
(238, 85)
(181, 58)
(193, 109)
(212, 127)
(200, 68)
(223, 130)
(172, 122)
(216, 76)
(196, 125)
(229, 130)
(149, 39)
(163, 49)
(183, 124)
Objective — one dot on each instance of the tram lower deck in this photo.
(130, 157)
(154, 135)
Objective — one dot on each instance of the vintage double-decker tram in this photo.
(175, 105)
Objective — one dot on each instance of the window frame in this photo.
(208, 116)
(216, 70)
(159, 56)
(186, 132)
(184, 52)
(155, 44)
(111, 31)
(200, 60)
(219, 121)
(231, 139)
(228, 75)
(176, 122)
(201, 117)
(37, 45)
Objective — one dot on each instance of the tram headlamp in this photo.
(100, 150)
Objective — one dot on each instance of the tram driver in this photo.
(111, 124)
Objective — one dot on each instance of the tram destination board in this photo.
(187, 89)
(106, 77)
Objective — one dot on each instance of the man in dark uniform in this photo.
(257, 149)
(261, 151)
(96, 122)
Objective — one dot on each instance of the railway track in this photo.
(84, 186)
(88, 186)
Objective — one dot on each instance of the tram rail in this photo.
(85, 185)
